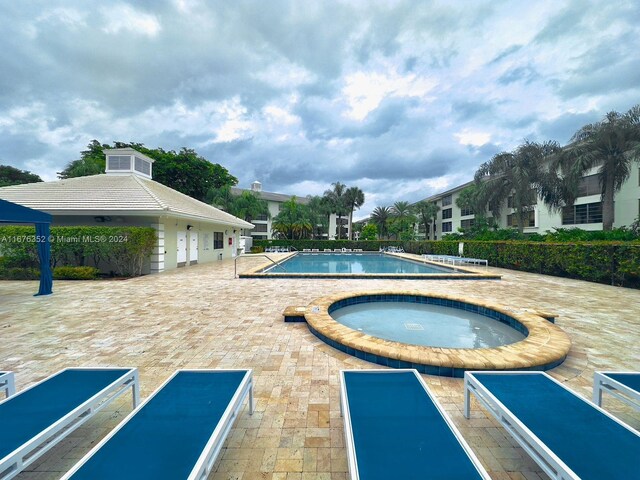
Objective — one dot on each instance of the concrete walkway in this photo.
(202, 317)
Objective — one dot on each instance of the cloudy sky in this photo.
(403, 99)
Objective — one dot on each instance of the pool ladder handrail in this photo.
(235, 262)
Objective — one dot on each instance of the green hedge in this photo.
(120, 250)
(75, 273)
(614, 263)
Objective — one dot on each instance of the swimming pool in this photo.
(358, 265)
(428, 325)
(353, 263)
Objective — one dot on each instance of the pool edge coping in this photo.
(546, 345)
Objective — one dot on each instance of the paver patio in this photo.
(202, 317)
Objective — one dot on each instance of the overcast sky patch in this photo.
(403, 99)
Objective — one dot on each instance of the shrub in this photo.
(615, 263)
(75, 273)
(123, 248)
(19, 273)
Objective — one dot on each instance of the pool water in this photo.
(426, 325)
(353, 263)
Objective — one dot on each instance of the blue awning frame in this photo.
(14, 213)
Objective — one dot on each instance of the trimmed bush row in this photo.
(614, 263)
(123, 250)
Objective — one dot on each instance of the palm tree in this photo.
(336, 199)
(293, 221)
(517, 174)
(427, 213)
(249, 206)
(380, 217)
(319, 215)
(354, 200)
(612, 146)
(221, 198)
(402, 219)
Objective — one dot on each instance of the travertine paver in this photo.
(202, 317)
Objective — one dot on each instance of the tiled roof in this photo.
(114, 193)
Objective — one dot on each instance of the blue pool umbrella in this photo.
(13, 213)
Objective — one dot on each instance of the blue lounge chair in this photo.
(395, 428)
(36, 419)
(568, 436)
(7, 383)
(176, 434)
(625, 386)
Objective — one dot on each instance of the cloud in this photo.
(400, 98)
(121, 18)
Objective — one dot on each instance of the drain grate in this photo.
(413, 326)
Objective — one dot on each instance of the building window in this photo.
(589, 185)
(119, 162)
(260, 237)
(464, 212)
(260, 227)
(447, 227)
(585, 213)
(529, 219)
(447, 213)
(262, 217)
(466, 224)
(218, 240)
(143, 166)
(446, 200)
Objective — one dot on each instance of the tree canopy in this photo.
(611, 146)
(354, 199)
(13, 176)
(336, 200)
(294, 221)
(517, 175)
(184, 171)
(380, 217)
(426, 212)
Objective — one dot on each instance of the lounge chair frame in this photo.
(7, 383)
(454, 260)
(550, 463)
(602, 382)
(26, 454)
(352, 459)
(207, 458)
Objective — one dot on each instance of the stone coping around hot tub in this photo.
(545, 346)
(468, 274)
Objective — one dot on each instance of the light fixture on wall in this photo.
(189, 227)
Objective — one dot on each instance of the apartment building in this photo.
(585, 213)
(263, 224)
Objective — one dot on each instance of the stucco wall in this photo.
(205, 231)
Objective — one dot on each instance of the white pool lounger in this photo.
(7, 383)
(568, 436)
(37, 418)
(395, 428)
(625, 386)
(176, 434)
